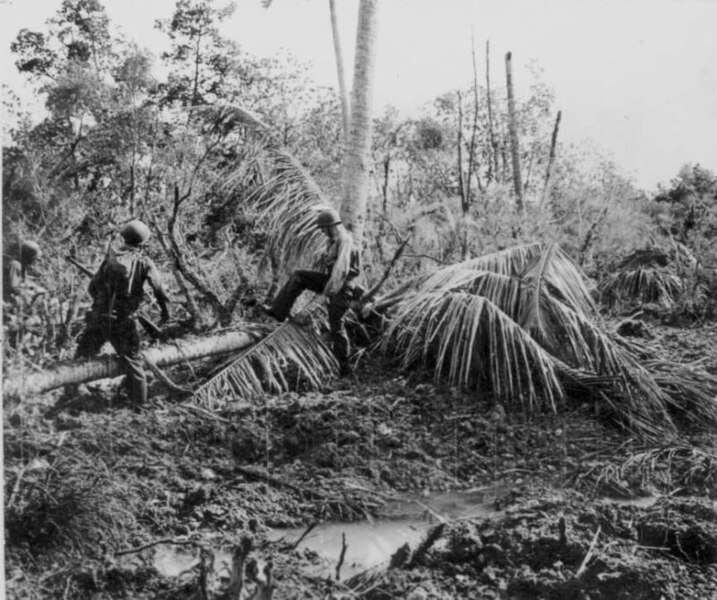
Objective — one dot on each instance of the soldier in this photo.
(20, 319)
(340, 264)
(15, 266)
(117, 289)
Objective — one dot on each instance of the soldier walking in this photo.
(340, 266)
(15, 264)
(117, 290)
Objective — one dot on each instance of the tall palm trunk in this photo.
(513, 128)
(357, 152)
(343, 93)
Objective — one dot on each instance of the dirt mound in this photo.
(566, 546)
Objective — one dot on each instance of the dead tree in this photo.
(513, 128)
(551, 159)
(493, 163)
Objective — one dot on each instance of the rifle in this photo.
(148, 326)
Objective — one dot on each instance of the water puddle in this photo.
(368, 543)
(170, 560)
(639, 501)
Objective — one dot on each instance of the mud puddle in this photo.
(368, 543)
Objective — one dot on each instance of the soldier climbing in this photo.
(340, 266)
(117, 290)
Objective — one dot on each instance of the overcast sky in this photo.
(638, 78)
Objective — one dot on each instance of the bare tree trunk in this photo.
(493, 166)
(169, 354)
(343, 93)
(386, 174)
(513, 127)
(459, 143)
(472, 166)
(358, 155)
(551, 159)
(590, 236)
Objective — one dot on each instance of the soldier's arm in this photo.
(341, 268)
(96, 281)
(159, 293)
(14, 275)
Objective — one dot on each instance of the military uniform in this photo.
(340, 266)
(20, 319)
(11, 277)
(117, 290)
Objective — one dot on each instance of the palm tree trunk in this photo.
(493, 142)
(178, 351)
(513, 127)
(358, 156)
(343, 93)
(551, 159)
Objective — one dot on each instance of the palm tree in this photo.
(357, 119)
(358, 144)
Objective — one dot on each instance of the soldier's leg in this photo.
(94, 335)
(125, 339)
(298, 282)
(338, 305)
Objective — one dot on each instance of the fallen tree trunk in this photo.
(23, 384)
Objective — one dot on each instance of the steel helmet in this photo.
(327, 218)
(135, 233)
(29, 252)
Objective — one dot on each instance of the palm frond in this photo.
(464, 338)
(493, 275)
(287, 197)
(509, 262)
(673, 464)
(645, 257)
(264, 366)
(643, 284)
(501, 315)
(553, 276)
(584, 344)
(692, 392)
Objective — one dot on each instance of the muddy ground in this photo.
(102, 501)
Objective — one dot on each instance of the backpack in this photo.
(117, 282)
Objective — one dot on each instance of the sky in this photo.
(637, 79)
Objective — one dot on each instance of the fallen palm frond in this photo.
(482, 275)
(647, 276)
(264, 367)
(485, 320)
(643, 284)
(468, 338)
(667, 469)
(692, 392)
(645, 257)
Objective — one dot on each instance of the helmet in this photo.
(135, 233)
(327, 218)
(29, 252)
